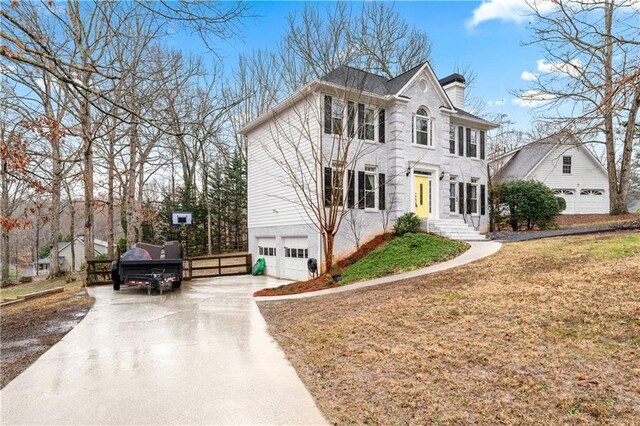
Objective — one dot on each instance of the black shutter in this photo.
(381, 193)
(461, 198)
(482, 206)
(381, 126)
(361, 121)
(468, 142)
(361, 190)
(351, 119)
(327, 186)
(413, 119)
(468, 198)
(351, 193)
(482, 136)
(461, 141)
(327, 114)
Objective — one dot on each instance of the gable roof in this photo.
(528, 157)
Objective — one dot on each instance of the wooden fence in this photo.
(219, 265)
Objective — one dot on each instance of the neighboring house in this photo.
(65, 258)
(421, 152)
(563, 164)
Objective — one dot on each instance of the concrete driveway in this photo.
(198, 355)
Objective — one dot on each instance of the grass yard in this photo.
(401, 254)
(543, 332)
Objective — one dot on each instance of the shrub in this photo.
(562, 203)
(25, 280)
(530, 203)
(122, 244)
(407, 223)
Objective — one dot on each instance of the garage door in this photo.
(267, 250)
(591, 201)
(569, 196)
(296, 253)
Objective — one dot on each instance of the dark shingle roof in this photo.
(369, 82)
(527, 157)
(451, 78)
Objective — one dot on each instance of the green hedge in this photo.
(530, 203)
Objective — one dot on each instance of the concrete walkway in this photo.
(200, 355)
(478, 250)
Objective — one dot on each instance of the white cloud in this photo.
(505, 10)
(498, 102)
(532, 99)
(528, 76)
(572, 67)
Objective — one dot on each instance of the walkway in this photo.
(478, 250)
(200, 355)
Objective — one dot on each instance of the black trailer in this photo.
(160, 268)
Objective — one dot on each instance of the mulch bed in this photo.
(569, 220)
(325, 281)
(30, 328)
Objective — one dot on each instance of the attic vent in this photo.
(423, 85)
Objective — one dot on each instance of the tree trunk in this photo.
(87, 175)
(138, 210)
(55, 206)
(72, 234)
(328, 241)
(110, 198)
(4, 209)
(131, 189)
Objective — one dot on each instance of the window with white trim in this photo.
(266, 251)
(452, 139)
(473, 196)
(296, 253)
(473, 144)
(423, 127)
(337, 184)
(453, 191)
(369, 124)
(566, 164)
(336, 117)
(370, 177)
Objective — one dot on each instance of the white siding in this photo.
(585, 174)
(272, 199)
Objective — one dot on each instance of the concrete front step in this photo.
(455, 229)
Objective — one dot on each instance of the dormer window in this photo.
(423, 127)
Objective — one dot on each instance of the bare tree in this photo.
(590, 78)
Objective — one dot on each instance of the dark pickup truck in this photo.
(151, 266)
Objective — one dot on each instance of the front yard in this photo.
(543, 332)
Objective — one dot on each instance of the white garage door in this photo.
(267, 249)
(296, 253)
(569, 196)
(591, 201)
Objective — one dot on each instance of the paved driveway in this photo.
(194, 356)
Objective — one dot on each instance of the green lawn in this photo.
(401, 254)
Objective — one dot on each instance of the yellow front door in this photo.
(422, 196)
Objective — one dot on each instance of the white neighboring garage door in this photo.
(296, 253)
(569, 196)
(267, 249)
(591, 201)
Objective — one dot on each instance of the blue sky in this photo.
(487, 36)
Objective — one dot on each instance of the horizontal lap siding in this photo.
(269, 194)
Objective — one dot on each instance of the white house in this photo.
(563, 164)
(64, 254)
(415, 149)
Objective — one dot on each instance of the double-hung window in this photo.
(566, 165)
(473, 144)
(473, 196)
(423, 127)
(452, 139)
(369, 124)
(453, 199)
(337, 184)
(336, 117)
(370, 176)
